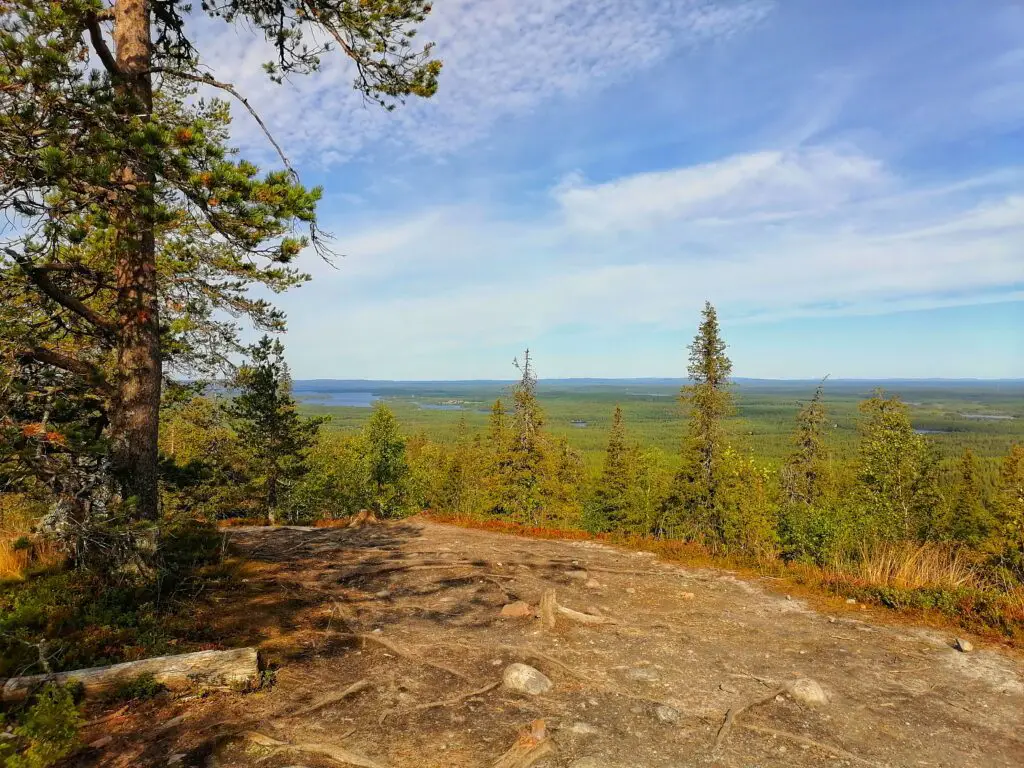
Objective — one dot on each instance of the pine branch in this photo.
(92, 24)
(86, 370)
(44, 284)
(229, 88)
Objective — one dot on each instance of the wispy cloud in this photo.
(502, 58)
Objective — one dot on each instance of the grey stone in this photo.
(525, 679)
(579, 575)
(962, 645)
(809, 692)
(667, 714)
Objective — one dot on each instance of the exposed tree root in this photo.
(835, 751)
(550, 610)
(398, 651)
(340, 755)
(356, 687)
(584, 618)
(523, 754)
(735, 712)
(450, 702)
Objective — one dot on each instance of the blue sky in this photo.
(843, 179)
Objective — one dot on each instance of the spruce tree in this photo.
(268, 423)
(1009, 539)
(969, 520)
(526, 448)
(695, 506)
(610, 507)
(387, 464)
(805, 475)
(135, 229)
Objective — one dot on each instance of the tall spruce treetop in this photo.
(708, 393)
(268, 422)
(804, 475)
(611, 495)
(136, 229)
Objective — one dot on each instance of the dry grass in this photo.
(909, 565)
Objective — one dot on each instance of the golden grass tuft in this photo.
(910, 565)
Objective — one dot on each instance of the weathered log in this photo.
(236, 668)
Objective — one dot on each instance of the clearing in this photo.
(404, 615)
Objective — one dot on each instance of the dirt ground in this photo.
(408, 614)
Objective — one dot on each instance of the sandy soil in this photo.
(413, 609)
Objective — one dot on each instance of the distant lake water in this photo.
(340, 399)
(439, 406)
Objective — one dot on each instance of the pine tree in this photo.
(387, 464)
(611, 504)
(268, 423)
(694, 508)
(136, 229)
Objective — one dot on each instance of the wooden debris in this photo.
(548, 608)
(236, 668)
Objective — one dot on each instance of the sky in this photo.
(843, 180)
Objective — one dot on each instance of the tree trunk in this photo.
(272, 493)
(136, 407)
(236, 668)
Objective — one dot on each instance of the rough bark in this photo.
(136, 405)
(236, 668)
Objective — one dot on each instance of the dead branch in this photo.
(834, 751)
(735, 712)
(548, 608)
(450, 702)
(338, 754)
(352, 690)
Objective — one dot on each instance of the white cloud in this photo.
(502, 58)
(756, 183)
(856, 240)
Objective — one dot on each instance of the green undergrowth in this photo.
(77, 618)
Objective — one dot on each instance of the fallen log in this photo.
(236, 668)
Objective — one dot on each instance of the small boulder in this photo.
(962, 645)
(630, 591)
(101, 742)
(667, 714)
(578, 575)
(523, 678)
(851, 601)
(808, 692)
(687, 596)
(516, 610)
(592, 584)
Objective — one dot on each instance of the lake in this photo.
(342, 399)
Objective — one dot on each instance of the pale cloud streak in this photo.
(657, 245)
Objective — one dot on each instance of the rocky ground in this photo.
(420, 645)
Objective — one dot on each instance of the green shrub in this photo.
(45, 732)
(145, 686)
